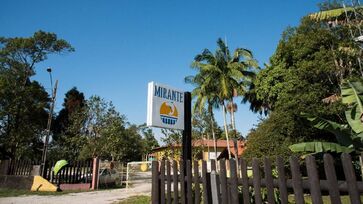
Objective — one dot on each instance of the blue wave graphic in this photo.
(168, 120)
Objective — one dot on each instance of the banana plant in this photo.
(349, 136)
(333, 13)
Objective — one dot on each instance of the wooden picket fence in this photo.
(270, 183)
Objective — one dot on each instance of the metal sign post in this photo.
(187, 132)
(187, 135)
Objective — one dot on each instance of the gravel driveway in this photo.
(96, 197)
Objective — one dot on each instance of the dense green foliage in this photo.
(24, 103)
(306, 69)
(95, 129)
(349, 136)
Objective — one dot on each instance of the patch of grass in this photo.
(326, 199)
(5, 192)
(143, 199)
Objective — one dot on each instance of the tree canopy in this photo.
(24, 103)
(304, 74)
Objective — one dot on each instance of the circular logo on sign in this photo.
(168, 113)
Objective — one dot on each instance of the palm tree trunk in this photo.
(208, 147)
(233, 121)
(214, 137)
(226, 129)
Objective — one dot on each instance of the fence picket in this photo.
(162, 182)
(189, 182)
(78, 174)
(223, 180)
(16, 167)
(155, 182)
(313, 180)
(296, 180)
(73, 174)
(234, 182)
(213, 165)
(332, 179)
(206, 184)
(168, 182)
(269, 180)
(175, 182)
(196, 183)
(65, 175)
(182, 182)
(245, 187)
(26, 168)
(21, 168)
(350, 178)
(256, 180)
(282, 180)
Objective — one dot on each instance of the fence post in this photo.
(313, 179)
(95, 173)
(297, 180)
(4, 167)
(35, 170)
(155, 188)
(233, 181)
(350, 178)
(214, 188)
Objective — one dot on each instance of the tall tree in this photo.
(24, 102)
(108, 135)
(172, 138)
(301, 75)
(226, 76)
(67, 138)
(74, 101)
(148, 138)
(204, 93)
(203, 125)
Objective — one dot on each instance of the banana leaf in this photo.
(59, 165)
(352, 95)
(331, 14)
(317, 147)
(342, 132)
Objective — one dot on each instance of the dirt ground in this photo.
(96, 197)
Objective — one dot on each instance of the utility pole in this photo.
(50, 117)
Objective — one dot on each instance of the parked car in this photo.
(107, 177)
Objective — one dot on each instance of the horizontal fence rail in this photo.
(263, 181)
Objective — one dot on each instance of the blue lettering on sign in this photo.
(168, 94)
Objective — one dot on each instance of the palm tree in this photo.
(220, 75)
(204, 94)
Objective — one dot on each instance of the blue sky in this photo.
(122, 45)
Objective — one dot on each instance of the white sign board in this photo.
(165, 107)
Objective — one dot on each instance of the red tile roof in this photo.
(210, 143)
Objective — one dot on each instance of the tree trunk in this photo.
(232, 115)
(214, 137)
(226, 129)
(233, 121)
(208, 147)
